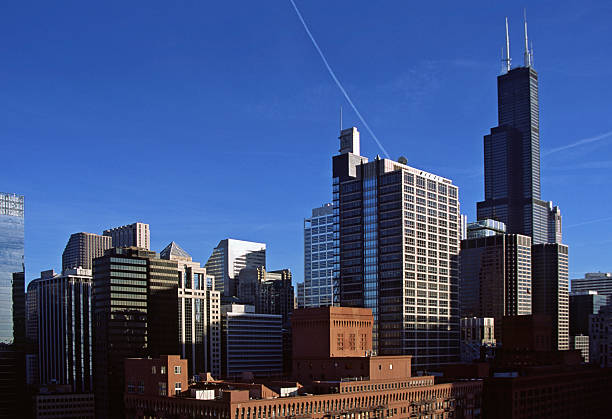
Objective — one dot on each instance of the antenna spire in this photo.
(507, 60)
(527, 51)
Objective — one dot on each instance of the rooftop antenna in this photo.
(527, 52)
(507, 60)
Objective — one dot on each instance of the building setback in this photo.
(63, 328)
(12, 304)
(131, 235)
(83, 248)
(397, 240)
(550, 288)
(318, 257)
(496, 277)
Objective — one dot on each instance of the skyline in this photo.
(152, 192)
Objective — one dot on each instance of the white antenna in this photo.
(507, 60)
(527, 52)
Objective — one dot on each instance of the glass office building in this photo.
(318, 257)
(12, 302)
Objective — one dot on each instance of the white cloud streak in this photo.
(579, 143)
(333, 76)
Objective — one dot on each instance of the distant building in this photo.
(229, 258)
(165, 376)
(600, 337)
(496, 278)
(580, 343)
(199, 313)
(12, 304)
(271, 292)
(83, 248)
(131, 235)
(583, 304)
(300, 296)
(485, 228)
(56, 401)
(251, 342)
(477, 338)
(550, 288)
(595, 281)
(63, 328)
(319, 257)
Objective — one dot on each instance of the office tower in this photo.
(485, 228)
(550, 288)
(31, 335)
(199, 313)
(580, 343)
(135, 298)
(12, 304)
(464, 225)
(397, 238)
(271, 292)
(512, 161)
(600, 338)
(229, 258)
(136, 234)
(477, 338)
(583, 304)
(300, 298)
(496, 278)
(82, 248)
(595, 281)
(63, 328)
(251, 342)
(319, 257)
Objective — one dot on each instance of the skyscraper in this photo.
(319, 257)
(396, 233)
(512, 160)
(82, 248)
(136, 234)
(229, 258)
(63, 328)
(199, 313)
(550, 288)
(271, 292)
(595, 281)
(495, 277)
(12, 304)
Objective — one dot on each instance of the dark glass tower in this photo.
(512, 162)
(12, 305)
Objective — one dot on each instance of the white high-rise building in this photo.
(318, 257)
(136, 234)
(229, 258)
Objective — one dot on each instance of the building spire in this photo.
(507, 60)
(527, 51)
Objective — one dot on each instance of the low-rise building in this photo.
(60, 402)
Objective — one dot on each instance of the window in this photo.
(162, 388)
(177, 369)
(153, 370)
(162, 369)
(177, 388)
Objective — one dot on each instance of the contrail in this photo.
(580, 142)
(598, 220)
(333, 75)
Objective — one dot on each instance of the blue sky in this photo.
(212, 120)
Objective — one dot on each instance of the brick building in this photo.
(357, 384)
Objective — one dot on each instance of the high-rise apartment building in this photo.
(82, 248)
(496, 277)
(131, 235)
(595, 281)
(319, 257)
(550, 288)
(135, 298)
(199, 313)
(512, 161)
(12, 304)
(251, 342)
(397, 232)
(63, 328)
(229, 258)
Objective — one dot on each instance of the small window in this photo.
(177, 369)
(153, 370)
(177, 388)
(162, 369)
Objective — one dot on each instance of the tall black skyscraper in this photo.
(512, 160)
